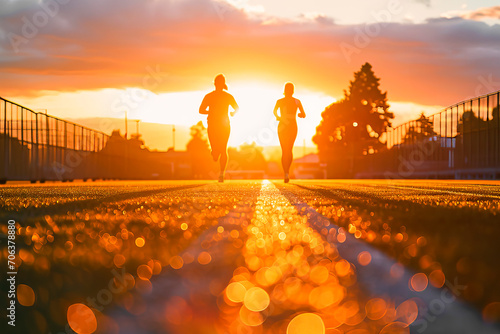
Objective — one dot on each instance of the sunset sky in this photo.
(157, 58)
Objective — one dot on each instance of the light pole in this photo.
(173, 136)
(137, 127)
(126, 125)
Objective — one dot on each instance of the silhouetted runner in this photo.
(216, 106)
(287, 127)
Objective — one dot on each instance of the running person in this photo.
(216, 106)
(287, 127)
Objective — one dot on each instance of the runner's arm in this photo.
(276, 107)
(302, 114)
(204, 106)
(235, 106)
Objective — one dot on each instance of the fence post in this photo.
(49, 154)
(37, 160)
(32, 148)
(488, 131)
(5, 147)
(498, 132)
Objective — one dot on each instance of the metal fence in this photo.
(36, 146)
(462, 141)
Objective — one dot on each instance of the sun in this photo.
(256, 123)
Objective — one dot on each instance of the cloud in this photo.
(10, 7)
(319, 18)
(427, 3)
(483, 13)
(177, 45)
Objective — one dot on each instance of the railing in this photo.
(36, 146)
(462, 141)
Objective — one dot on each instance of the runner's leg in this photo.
(224, 137)
(287, 134)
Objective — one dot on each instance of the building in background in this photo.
(309, 167)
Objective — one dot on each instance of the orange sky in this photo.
(179, 45)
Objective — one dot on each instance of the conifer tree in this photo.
(355, 125)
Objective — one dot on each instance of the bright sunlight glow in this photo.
(254, 122)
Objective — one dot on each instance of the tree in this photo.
(470, 122)
(246, 157)
(355, 124)
(198, 140)
(199, 150)
(422, 129)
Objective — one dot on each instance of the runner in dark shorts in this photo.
(216, 106)
(287, 127)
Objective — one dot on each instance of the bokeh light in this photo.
(407, 312)
(25, 295)
(81, 319)
(140, 242)
(204, 258)
(419, 282)
(437, 278)
(176, 262)
(256, 299)
(236, 292)
(396, 328)
(145, 272)
(364, 258)
(306, 323)
(491, 313)
(376, 308)
(251, 318)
